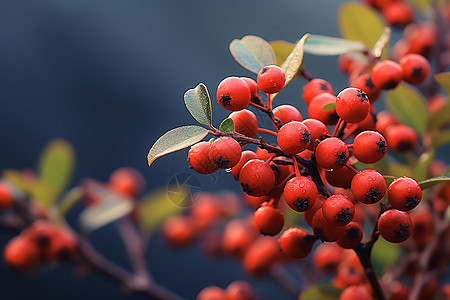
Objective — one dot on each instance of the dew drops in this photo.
(228, 170)
(301, 184)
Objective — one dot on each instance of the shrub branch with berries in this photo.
(347, 173)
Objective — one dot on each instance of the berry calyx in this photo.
(415, 68)
(225, 152)
(293, 137)
(368, 186)
(315, 87)
(395, 226)
(401, 138)
(317, 130)
(300, 193)
(271, 79)
(332, 153)
(338, 210)
(352, 105)
(369, 147)
(324, 230)
(233, 94)
(404, 193)
(353, 236)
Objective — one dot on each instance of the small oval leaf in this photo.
(444, 80)
(439, 118)
(56, 165)
(382, 42)
(227, 125)
(423, 165)
(252, 52)
(158, 205)
(322, 291)
(176, 139)
(198, 103)
(441, 138)
(358, 22)
(326, 45)
(282, 49)
(425, 184)
(111, 207)
(407, 103)
(329, 106)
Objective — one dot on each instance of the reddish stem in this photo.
(263, 130)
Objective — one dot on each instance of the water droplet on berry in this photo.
(228, 170)
(301, 184)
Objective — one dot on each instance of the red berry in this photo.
(338, 210)
(324, 230)
(327, 257)
(256, 178)
(387, 74)
(353, 236)
(21, 253)
(254, 202)
(268, 220)
(369, 147)
(296, 243)
(315, 87)
(398, 14)
(422, 38)
(233, 93)
(317, 129)
(245, 157)
(198, 158)
(245, 122)
(252, 85)
(211, 293)
(404, 193)
(364, 83)
(300, 193)
(178, 231)
(395, 226)
(309, 214)
(128, 181)
(261, 256)
(287, 113)
(384, 120)
(368, 186)
(293, 137)
(355, 292)
(237, 237)
(225, 152)
(352, 105)
(6, 196)
(401, 138)
(315, 111)
(415, 68)
(271, 79)
(332, 153)
(341, 177)
(263, 154)
(64, 245)
(239, 290)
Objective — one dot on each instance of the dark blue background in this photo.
(109, 76)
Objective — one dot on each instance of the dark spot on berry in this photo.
(343, 216)
(372, 195)
(352, 233)
(323, 87)
(362, 95)
(246, 189)
(318, 232)
(390, 85)
(306, 137)
(411, 202)
(369, 83)
(416, 72)
(225, 99)
(43, 240)
(405, 146)
(264, 70)
(381, 146)
(302, 203)
(342, 158)
(221, 163)
(402, 232)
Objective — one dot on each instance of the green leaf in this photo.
(399, 170)
(326, 45)
(358, 22)
(441, 138)
(381, 166)
(423, 165)
(227, 125)
(425, 184)
(423, 5)
(69, 199)
(176, 139)
(389, 179)
(158, 205)
(198, 103)
(322, 291)
(56, 165)
(440, 117)
(408, 105)
(111, 206)
(329, 106)
(385, 254)
(252, 52)
(282, 50)
(382, 43)
(444, 80)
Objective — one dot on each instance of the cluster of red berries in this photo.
(237, 290)
(40, 243)
(397, 13)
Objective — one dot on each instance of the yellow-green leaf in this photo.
(384, 253)
(111, 206)
(441, 138)
(322, 291)
(176, 139)
(439, 118)
(444, 81)
(425, 184)
(329, 106)
(359, 22)
(382, 43)
(399, 170)
(408, 105)
(326, 45)
(423, 165)
(198, 103)
(56, 165)
(381, 166)
(227, 125)
(158, 205)
(282, 49)
(252, 52)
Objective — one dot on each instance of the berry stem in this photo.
(263, 130)
(297, 171)
(351, 167)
